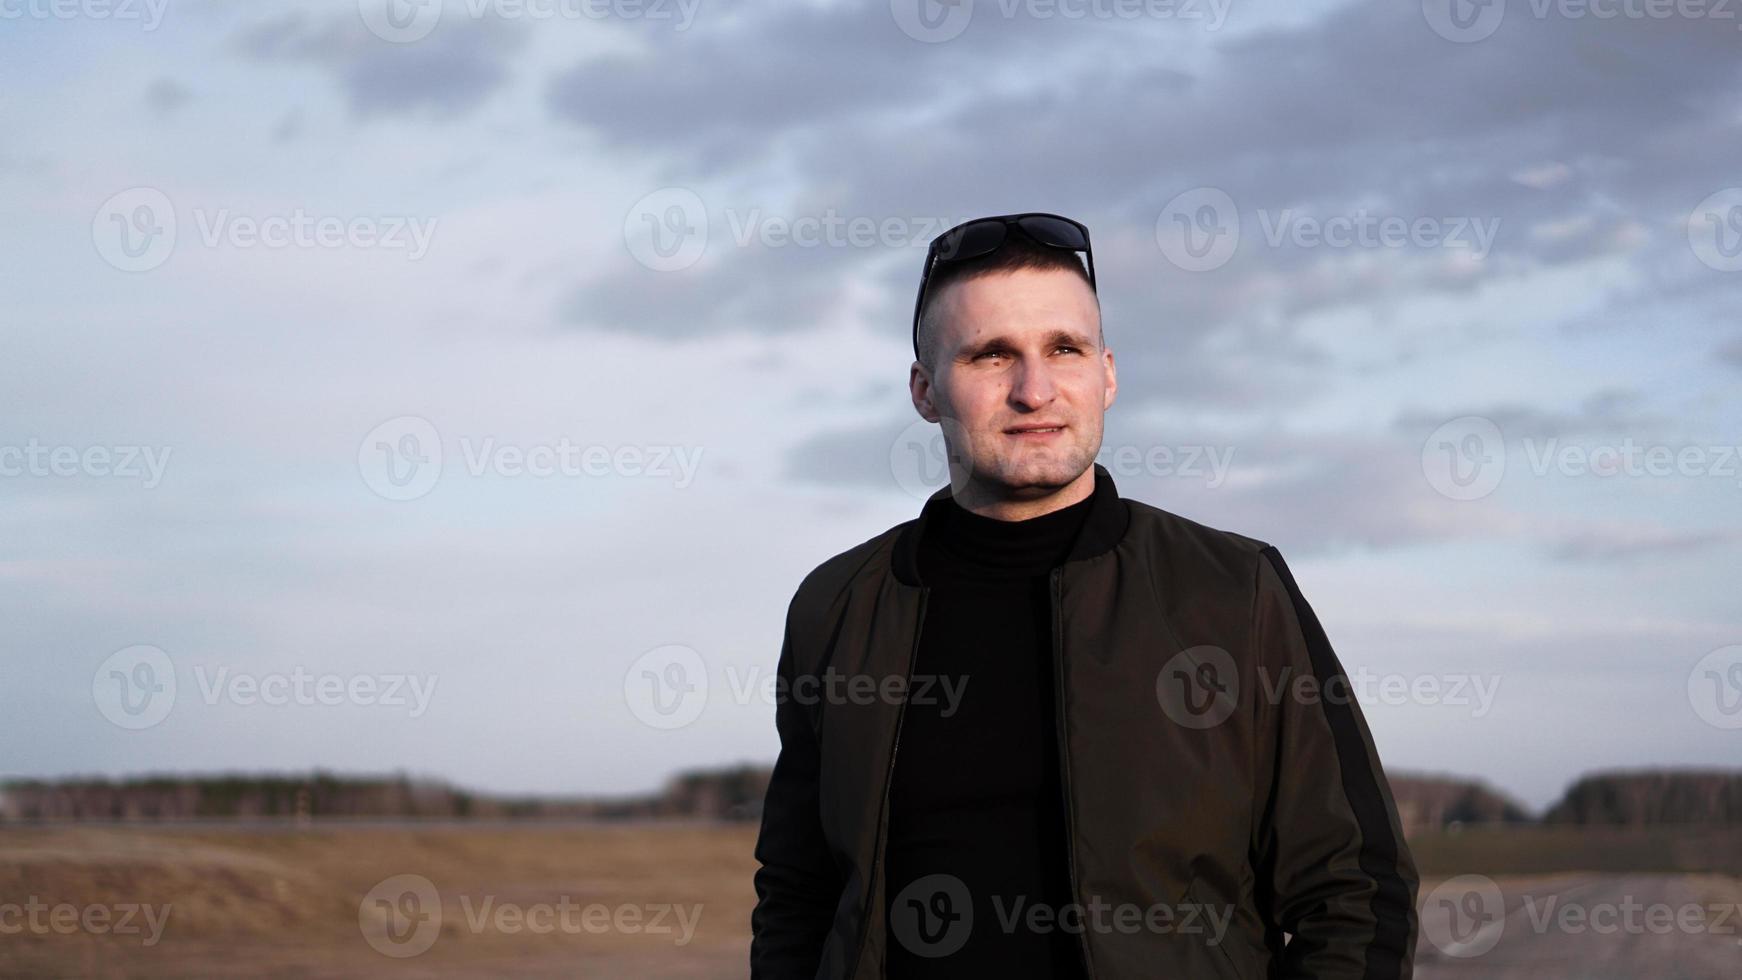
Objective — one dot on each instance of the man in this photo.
(1045, 731)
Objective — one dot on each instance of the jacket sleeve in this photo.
(797, 884)
(1332, 867)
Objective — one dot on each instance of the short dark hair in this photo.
(1018, 252)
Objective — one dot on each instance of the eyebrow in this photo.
(1000, 342)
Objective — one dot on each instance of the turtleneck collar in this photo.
(1101, 531)
(1001, 547)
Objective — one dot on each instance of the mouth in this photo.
(1035, 431)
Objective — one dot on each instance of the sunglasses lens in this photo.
(974, 239)
(1054, 231)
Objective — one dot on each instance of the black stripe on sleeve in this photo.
(1391, 905)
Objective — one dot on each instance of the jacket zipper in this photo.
(1058, 666)
(888, 778)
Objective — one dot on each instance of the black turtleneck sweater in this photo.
(976, 794)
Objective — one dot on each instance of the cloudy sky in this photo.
(409, 387)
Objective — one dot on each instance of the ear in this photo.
(919, 387)
(1112, 373)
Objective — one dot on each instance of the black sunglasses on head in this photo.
(983, 236)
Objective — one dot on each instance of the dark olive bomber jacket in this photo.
(1278, 813)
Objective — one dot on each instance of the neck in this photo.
(1004, 503)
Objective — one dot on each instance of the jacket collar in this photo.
(1102, 529)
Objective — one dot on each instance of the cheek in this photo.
(980, 403)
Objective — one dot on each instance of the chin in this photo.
(1042, 469)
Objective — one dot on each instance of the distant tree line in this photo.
(1424, 802)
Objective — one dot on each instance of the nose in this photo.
(1032, 387)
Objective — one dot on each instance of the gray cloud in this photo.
(1631, 542)
(1606, 412)
(165, 95)
(1730, 353)
(758, 288)
(1577, 139)
(447, 74)
(739, 85)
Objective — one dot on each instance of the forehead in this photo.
(1017, 303)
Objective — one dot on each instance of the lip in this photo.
(1037, 432)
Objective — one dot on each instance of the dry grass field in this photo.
(274, 900)
(267, 901)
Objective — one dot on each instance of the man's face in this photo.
(1016, 351)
